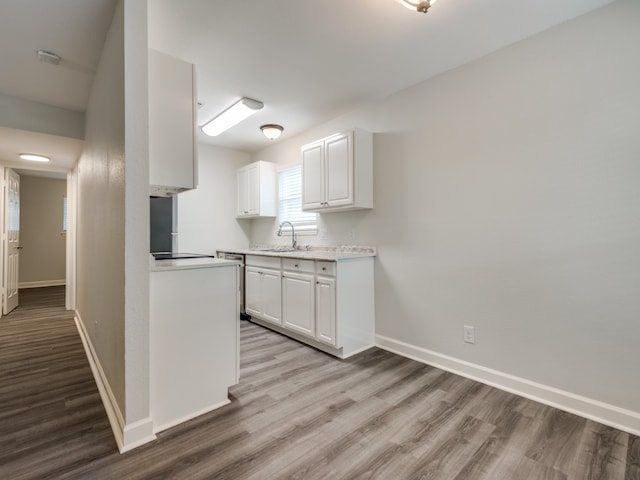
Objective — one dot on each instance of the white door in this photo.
(253, 291)
(253, 189)
(298, 309)
(339, 170)
(271, 299)
(326, 310)
(12, 240)
(242, 200)
(312, 176)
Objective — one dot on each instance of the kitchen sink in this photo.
(279, 249)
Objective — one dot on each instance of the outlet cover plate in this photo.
(469, 334)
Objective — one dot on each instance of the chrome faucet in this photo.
(293, 233)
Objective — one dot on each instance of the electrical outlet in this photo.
(469, 334)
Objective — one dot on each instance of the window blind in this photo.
(290, 200)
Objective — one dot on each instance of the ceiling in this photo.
(73, 29)
(308, 61)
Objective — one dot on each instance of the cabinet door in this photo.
(172, 117)
(242, 200)
(271, 296)
(253, 291)
(298, 309)
(313, 176)
(339, 170)
(326, 310)
(253, 189)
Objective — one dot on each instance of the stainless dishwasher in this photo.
(238, 257)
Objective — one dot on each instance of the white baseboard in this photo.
(620, 418)
(208, 409)
(136, 434)
(127, 436)
(43, 283)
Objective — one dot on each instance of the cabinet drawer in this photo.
(326, 268)
(263, 261)
(297, 265)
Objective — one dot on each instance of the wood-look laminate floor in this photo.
(297, 414)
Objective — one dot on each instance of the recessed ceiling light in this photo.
(34, 157)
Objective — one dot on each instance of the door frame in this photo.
(71, 242)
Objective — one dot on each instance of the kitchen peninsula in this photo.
(194, 334)
(322, 296)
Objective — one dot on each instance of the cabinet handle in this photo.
(324, 269)
(296, 265)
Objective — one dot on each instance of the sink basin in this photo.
(279, 249)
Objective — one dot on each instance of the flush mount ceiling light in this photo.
(272, 131)
(34, 157)
(418, 6)
(243, 108)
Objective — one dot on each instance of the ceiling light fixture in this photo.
(34, 157)
(271, 130)
(419, 6)
(243, 108)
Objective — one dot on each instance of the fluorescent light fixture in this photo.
(271, 131)
(233, 115)
(34, 157)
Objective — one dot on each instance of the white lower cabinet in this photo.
(262, 293)
(326, 310)
(298, 302)
(326, 304)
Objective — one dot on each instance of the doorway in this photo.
(39, 227)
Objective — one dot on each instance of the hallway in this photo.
(48, 398)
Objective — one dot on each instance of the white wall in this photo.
(206, 215)
(113, 225)
(43, 257)
(100, 254)
(506, 197)
(138, 427)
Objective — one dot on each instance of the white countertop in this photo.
(188, 263)
(314, 253)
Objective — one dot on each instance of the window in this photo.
(290, 201)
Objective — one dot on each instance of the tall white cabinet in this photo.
(173, 153)
(337, 172)
(256, 190)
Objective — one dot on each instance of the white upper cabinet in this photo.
(172, 125)
(256, 190)
(337, 172)
(312, 177)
